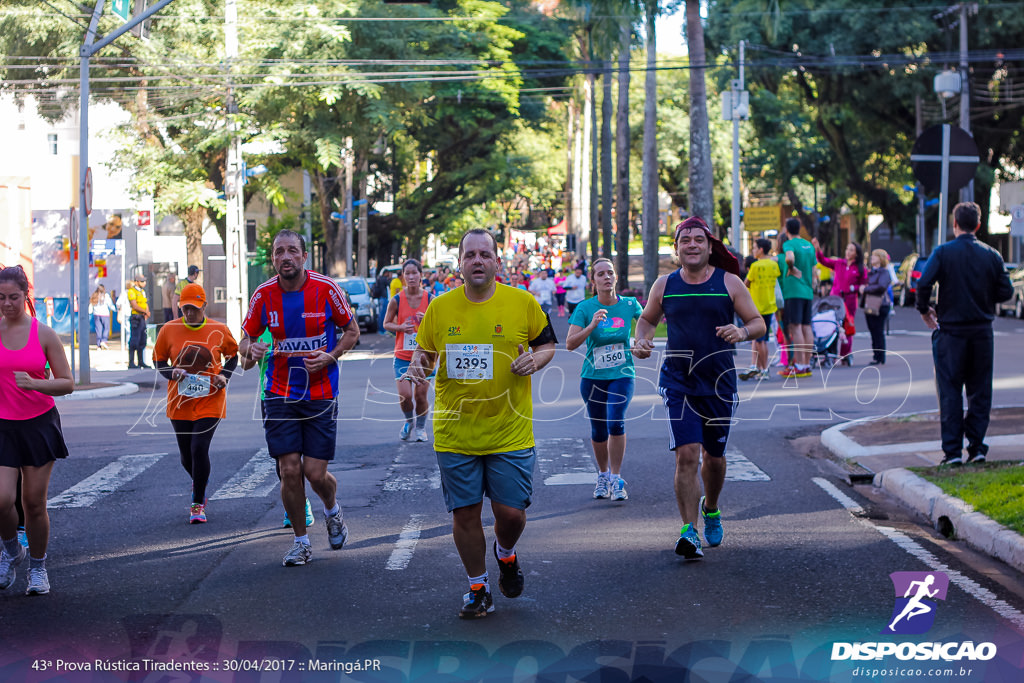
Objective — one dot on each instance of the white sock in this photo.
(474, 580)
(304, 539)
(333, 511)
(504, 553)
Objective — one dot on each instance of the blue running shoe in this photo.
(23, 537)
(688, 544)
(712, 525)
(309, 514)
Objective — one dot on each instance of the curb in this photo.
(122, 389)
(953, 517)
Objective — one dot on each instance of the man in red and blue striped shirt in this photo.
(304, 311)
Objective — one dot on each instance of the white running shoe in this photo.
(300, 554)
(421, 434)
(38, 581)
(337, 531)
(8, 565)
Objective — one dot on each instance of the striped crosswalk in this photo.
(560, 462)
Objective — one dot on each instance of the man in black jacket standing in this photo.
(973, 279)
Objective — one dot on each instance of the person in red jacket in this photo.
(850, 275)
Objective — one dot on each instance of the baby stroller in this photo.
(827, 314)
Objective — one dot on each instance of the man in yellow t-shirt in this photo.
(139, 304)
(764, 273)
(483, 414)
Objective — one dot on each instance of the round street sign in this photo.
(926, 158)
(73, 222)
(87, 191)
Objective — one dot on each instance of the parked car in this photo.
(1015, 304)
(362, 305)
(904, 290)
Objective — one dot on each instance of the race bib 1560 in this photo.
(610, 356)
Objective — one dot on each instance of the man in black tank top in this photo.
(698, 375)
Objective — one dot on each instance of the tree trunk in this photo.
(650, 177)
(595, 180)
(194, 219)
(334, 241)
(622, 161)
(571, 227)
(702, 180)
(606, 159)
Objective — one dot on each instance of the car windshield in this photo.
(354, 287)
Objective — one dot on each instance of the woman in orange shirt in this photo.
(197, 356)
(405, 311)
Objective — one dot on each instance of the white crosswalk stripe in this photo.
(105, 481)
(568, 461)
(255, 479)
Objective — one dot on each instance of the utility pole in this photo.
(736, 107)
(91, 46)
(967, 193)
(234, 190)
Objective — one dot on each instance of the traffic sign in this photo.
(87, 192)
(1017, 221)
(122, 8)
(926, 158)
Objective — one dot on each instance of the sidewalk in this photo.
(884, 448)
(109, 373)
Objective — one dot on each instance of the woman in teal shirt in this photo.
(605, 322)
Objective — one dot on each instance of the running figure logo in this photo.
(916, 592)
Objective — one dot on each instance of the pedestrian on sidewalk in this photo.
(605, 322)
(849, 275)
(139, 305)
(877, 302)
(170, 290)
(483, 412)
(403, 317)
(305, 312)
(100, 308)
(973, 279)
(197, 357)
(33, 369)
(700, 302)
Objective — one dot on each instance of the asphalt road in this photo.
(806, 561)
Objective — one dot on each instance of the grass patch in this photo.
(663, 241)
(996, 491)
(661, 330)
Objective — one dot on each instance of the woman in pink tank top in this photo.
(30, 434)
(405, 311)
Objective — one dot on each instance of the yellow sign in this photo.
(762, 218)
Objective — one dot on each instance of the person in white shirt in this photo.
(575, 287)
(543, 289)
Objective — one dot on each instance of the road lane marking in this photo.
(105, 481)
(406, 544)
(739, 468)
(254, 479)
(966, 584)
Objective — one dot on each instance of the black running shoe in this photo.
(975, 458)
(510, 577)
(952, 460)
(476, 604)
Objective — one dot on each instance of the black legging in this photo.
(876, 325)
(194, 437)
